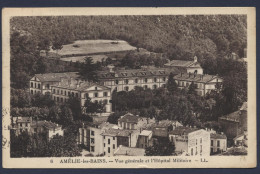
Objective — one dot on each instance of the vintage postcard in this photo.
(129, 87)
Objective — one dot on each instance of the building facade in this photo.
(41, 83)
(145, 139)
(204, 83)
(218, 143)
(234, 124)
(186, 66)
(90, 136)
(83, 91)
(193, 142)
(127, 80)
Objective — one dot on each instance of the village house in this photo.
(204, 83)
(113, 138)
(90, 136)
(129, 151)
(241, 140)
(234, 124)
(26, 124)
(145, 139)
(83, 90)
(20, 124)
(130, 121)
(186, 66)
(46, 127)
(191, 141)
(218, 143)
(127, 80)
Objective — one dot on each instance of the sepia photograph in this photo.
(124, 89)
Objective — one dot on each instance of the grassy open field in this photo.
(82, 47)
(95, 58)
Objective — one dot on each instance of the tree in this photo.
(192, 89)
(75, 106)
(113, 118)
(161, 147)
(93, 107)
(88, 70)
(171, 84)
(66, 117)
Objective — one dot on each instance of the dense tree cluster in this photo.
(161, 147)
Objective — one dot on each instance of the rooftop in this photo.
(218, 136)
(182, 130)
(55, 77)
(130, 118)
(234, 116)
(146, 133)
(136, 73)
(180, 63)
(46, 124)
(117, 132)
(244, 107)
(79, 86)
(195, 77)
(129, 151)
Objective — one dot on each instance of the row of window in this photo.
(126, 81)
(35, 85)
(218, 143)
(60, 92)
(182, 83)
(34, 92)
(126, 88)
(196, 151)
(61, 99)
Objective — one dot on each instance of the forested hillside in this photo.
(180, 37)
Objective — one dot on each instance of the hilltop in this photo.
(179, 37)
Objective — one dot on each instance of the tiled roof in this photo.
(129, 151)
(182, 130)
(55, 77)
(179, 63)
(244, 107)
(167, 123)
(218, 136)
(46, 124)
(234, 116)
(129, 118)
(195, 78)
(117, 132)
(136, 73)
(80, 87)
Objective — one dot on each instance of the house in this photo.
(41, 83)
(204, 83)
(113, 138)
(145, 139)
(20, 124)
(192, 141)
(82, 90)
(133, 122)
(129, 151)
(46, 127)
(218, 143)
(90, 136)
(241, 140)
(127, 80)
(235, 123)
(186, 66)
(161, 128)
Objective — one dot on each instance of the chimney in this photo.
(194, 74)
(195, 59)
(189, 74)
